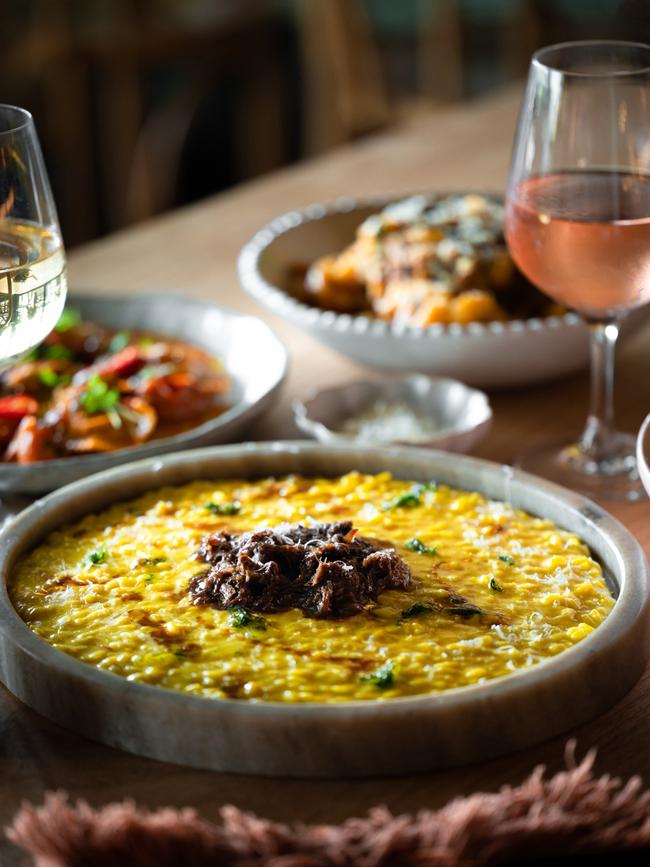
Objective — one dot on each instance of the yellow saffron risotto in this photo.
(112, 591)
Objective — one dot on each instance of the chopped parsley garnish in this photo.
(51, 379)
(119, 342)
(415, 610)
(150, 577)
(409, 499)
(465, 611)
(383, 678)
(152, 561)
(223, 508)
(154, 371)
(51, 353)
(57, 352)
(100, 555)
(494, 585)
(419, 547)
(505, 558)
(68, 319)
(99, 397)
(240, 618)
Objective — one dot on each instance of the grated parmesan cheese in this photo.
(391, 422)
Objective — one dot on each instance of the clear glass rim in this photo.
(540, 58)
(23, 118)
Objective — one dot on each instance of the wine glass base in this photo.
(612, 478)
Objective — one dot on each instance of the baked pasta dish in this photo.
(423, 261)
(89, 388)
(299, 589)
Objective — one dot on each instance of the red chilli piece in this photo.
(15, 407)
(124, 363)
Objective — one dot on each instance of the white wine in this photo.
(33, 286)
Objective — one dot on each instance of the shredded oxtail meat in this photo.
(325, 570)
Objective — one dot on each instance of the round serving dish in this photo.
(463, 414)
(363, 738)
(228, 335)
(487, 355)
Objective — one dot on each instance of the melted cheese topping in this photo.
(112, 591)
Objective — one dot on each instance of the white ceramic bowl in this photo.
(496, 354)
(463, 414)
(256, 377)
(357, 738)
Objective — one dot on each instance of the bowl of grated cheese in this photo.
(414, 410)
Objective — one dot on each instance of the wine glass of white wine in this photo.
(33, 280)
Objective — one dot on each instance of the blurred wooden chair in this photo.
(345, 95)
(42, 70)
(141, 170)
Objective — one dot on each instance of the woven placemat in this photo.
(570, 818)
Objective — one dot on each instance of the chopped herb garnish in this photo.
(114, 417)
(415, 610)
(57, 352)
(98, 397)
(150, 577)
(410, 498)
(494, 585)
(68, 319)
(51, 379)
(507, 559)
(465, 611)
(419, 547)
(119, 342)
(383, 678)
(180, 653)
(98, 556)
(223, 508)
(51, 353)
(240, 618)
(154, 371)
(48, 377)
(152, 561)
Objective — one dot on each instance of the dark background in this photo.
(145, 105)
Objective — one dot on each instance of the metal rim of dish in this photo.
(283, 304)
(582, 680)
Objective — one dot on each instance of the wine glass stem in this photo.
(599, 430)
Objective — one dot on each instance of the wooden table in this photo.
(193, 251)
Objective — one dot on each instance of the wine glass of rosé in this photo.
(578, 226)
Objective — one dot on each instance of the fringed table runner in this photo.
(570, 818)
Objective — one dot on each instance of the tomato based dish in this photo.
(88, 388)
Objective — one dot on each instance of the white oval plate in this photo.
(253, 356)
(361, 738)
